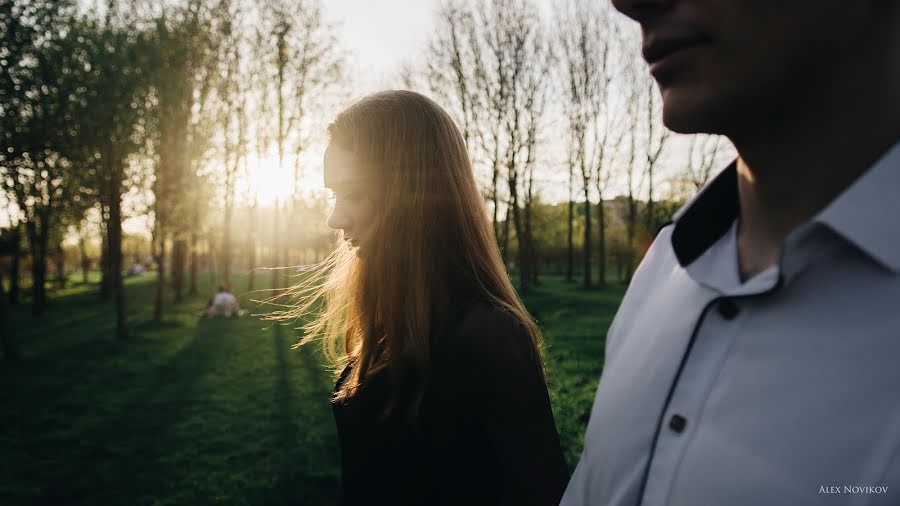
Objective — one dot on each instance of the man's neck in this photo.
(804, 151)
(792, 171)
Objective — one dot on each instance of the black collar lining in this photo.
(707, 218)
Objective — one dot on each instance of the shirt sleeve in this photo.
(502, 374)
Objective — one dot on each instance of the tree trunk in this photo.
(160, 256)
(60, 265)
(178, 260)
(85, 261)
(14, 265)
(587, 240)
(276, 272)
(226, 245)
(251, 240)
(601, 244)
(629, 247)
(524, 267)
(10, 348)
(495, 200)
(570, 229)
(504, 246)
(530, 250)
(38, 239)
(114, 240)
(513, 208)
(104, 261)
(193, 246)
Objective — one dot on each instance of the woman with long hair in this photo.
(440, 395)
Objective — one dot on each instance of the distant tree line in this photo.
(123, 109)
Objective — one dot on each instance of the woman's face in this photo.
(354, 212)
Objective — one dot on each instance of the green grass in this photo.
(574, 320)
(221, 411)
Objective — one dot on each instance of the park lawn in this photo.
(221, 411)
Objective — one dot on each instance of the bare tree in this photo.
(629, 168)
(582, 30)
(232, 99)
(469, 62)
(490, 61)
(705, 152)
(529, 51)
(572, 162)
(318, 71)
(260, 81)
(307, 68)
(656, 137)
(608, 134)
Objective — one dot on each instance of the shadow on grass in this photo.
(297, 484)
(134, 440)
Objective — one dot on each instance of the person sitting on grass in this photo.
(223, 303)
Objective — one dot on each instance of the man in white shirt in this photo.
(753, 360)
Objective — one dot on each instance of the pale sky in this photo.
(382, 35)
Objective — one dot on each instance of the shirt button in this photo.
(727, 308)
(677, 423)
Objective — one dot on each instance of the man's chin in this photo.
(702, 110)
(686, 115)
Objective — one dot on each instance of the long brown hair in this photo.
(434, 246)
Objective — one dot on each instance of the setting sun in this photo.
(265, 181)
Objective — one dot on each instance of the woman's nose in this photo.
(338, 219)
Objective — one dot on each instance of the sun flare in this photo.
(267, 182)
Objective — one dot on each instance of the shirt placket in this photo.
(715, 332)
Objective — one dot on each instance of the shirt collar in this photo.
(864, 214)
(706, 217)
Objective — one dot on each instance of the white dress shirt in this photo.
(784, 389)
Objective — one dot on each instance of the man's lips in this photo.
(657, 48)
